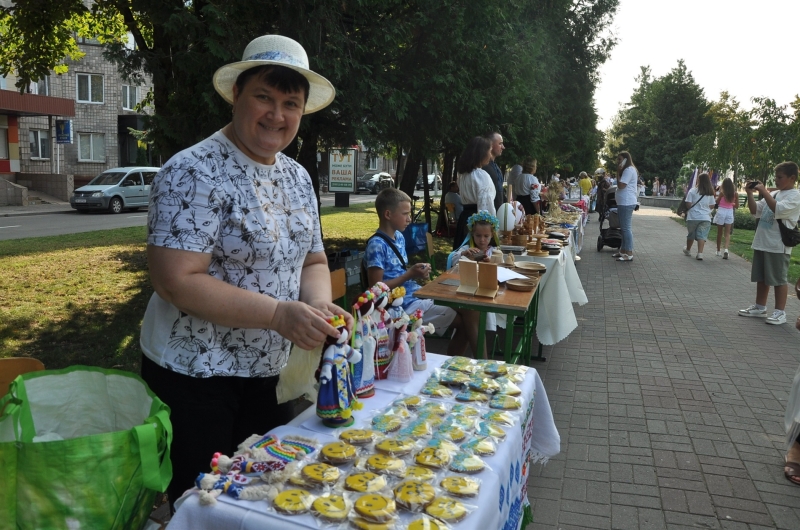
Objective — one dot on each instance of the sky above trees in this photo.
(746, 48)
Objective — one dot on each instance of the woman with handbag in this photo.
(699, 202)
(626, 198)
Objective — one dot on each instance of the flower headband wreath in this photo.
(483, 217)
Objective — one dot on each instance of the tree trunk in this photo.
(448, 170)
(427, 191)
(409, 179)
(398, 173)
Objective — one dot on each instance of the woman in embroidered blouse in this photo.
(236, 261)
(476, 187)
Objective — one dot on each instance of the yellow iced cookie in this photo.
(487, 428)
(338, 452)
(410, 402)
(365, 482)
(433, 457)
(446, 509)
(358, 436)
(461, 486)
(484, 446)
(374, 507)
(387, 423)
(508, 387)
(503, 418)
(363, 524)
(320, 473)
(395, 446)
(436, 409)
(386, 464)
(413, 495)
(422, 474)
(464, 462)
(504, 402)
(495, 369)
(441, 443)
(484, 384)
(460, 409)
(471, 395)
(331, 508)
(436, 390)
(417, 429)
(451, 432)
(426, 523)
(452, 378)
(293, 501)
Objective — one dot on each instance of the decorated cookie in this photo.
(386, 464)
(419, 473)
(363, 524)
(495, 369)
(446, 509)
(452, 378)
(426, 523)
(430, 408)
(338, 452)
(299, 480)
(374, 507)
(395, 446)
(332, 508)
(444, 444)
(433, 457)
(467, 423)
(483, 446)
(436, 390)
(413, 495)
(471, 395)
(387, 423)
(358, 436)
(487, 428)
(504, 402)
(503, 418)
(507, 387)
(461, 486)
(416, 429)
(293, 501)
(461, 409)
(460, 364)
(399, 411)
(410, 402)
(466, 462)
(484, 384)
(365, 482)
(320, 473)
(515, 377)
(451, 432)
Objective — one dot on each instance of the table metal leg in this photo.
(481, 335)
(509, 355)
(539, 357)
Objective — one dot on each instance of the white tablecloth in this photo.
(559, 288)
(503, 494)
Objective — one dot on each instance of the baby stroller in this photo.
(611, 236)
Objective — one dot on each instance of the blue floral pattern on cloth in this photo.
(257, 223)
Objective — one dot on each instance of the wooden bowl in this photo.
(530, 266)
(520, 285)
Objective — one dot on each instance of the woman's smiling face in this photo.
(265, 119)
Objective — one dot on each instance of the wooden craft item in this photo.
(497, 257)
(539, 252)
(487, 280)
(520, 285)
(468, 277)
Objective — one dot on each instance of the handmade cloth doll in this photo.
(400, 369)
(396, 305)
(416, 341)
(383, 348)
(336, 398)
(363, 339)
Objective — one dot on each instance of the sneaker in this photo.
(725, 254)
(718, 253)
(778, 317)
(700, 256)
(686, 252)
(753, 311)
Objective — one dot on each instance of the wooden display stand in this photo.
(479, 279)
(537, 247)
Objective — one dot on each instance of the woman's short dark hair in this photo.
(284, 79)
(474, 155)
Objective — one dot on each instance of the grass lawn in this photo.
(80, 299)
(741, 240)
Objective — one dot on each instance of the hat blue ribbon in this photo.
(276, 56)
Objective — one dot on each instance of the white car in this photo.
(115, 190)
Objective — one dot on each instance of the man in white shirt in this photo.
(770, 256)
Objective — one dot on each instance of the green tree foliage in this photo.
(660, 123)
(414, 77)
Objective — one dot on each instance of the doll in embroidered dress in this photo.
(383, 348)
(364, 371)
(337, 399)
(401, 369)
(416, 341)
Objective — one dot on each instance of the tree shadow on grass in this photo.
(105, 335)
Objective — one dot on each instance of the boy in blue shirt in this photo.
(387, 261)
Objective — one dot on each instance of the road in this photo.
(71, 222)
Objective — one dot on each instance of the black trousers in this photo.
(210, 415)
(527, 204)
(461, 227)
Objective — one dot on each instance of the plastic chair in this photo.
(450, 215)
(11, 367)
(339, 286)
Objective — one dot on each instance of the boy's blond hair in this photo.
(389, 199)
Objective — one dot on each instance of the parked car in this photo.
(431, 180)
(115, 190)
(374, 182)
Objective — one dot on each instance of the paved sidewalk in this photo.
(669, 405)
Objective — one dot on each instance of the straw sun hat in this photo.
(280, 51)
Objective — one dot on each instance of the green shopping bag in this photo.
(82, 448)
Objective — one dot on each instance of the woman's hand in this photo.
(303, 325)
(330, 309)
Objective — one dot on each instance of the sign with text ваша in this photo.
(342, 170)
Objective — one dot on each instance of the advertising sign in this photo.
(342, 171)
(63, 131)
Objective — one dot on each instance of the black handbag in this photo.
(789, 236)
